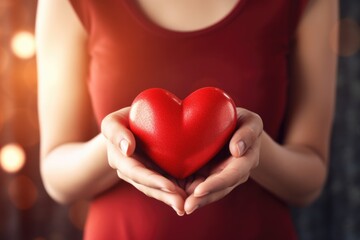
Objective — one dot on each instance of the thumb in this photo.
(115, 128)
(250, 128)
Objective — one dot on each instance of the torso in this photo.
(242, 48)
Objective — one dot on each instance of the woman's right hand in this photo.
(135, 169)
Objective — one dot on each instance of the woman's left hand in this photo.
(223, 178)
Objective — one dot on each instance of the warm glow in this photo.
(26, 129)
(4, 60)
(22, 192)
(7, 109)
(23, 45)
(12, 158)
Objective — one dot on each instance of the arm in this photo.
(296, 170)
(73, 156)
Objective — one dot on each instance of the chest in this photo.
(186, 15)
(245, 54)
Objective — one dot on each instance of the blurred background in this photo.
(26, 211)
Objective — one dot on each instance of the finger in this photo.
(115, 128)
(113, 154)
(133, 170)
(191, 186)
(235, 172)
(250, 129)
(174, 200)
(193, 203)
(178, 188)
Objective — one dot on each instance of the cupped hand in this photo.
(212, 184)
(135, 169)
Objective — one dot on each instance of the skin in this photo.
(78, 162)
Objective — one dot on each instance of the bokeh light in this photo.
(12, 157)
(22, 192)
(23, 45)
(349, 37)
(78, 213)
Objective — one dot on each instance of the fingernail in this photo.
(178, 212)
(192, 210)
(241, 148)
(124, 146)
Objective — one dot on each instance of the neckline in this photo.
(150, 25)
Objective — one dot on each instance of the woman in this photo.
(271, 57)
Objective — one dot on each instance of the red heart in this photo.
(182, 136)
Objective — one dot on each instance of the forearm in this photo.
(77, 170)
(296, 174)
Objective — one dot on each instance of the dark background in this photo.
(26, 211)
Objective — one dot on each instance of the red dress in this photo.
(246, 54)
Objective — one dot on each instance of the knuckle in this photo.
(249, 135)
(147, 192)
(106, 121)
(259, 122)
(111, 129)
(230, 177)
(112, 161)
(120, 174)
(111, 164)
(142, 189)
(132, 173)
(228, 190)
(245, 178)
(217, 196)
(256, 164)
(132, 176)
(108, 124)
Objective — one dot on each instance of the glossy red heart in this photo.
(182, 136)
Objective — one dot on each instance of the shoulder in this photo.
(55, 19)
(318, 15)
